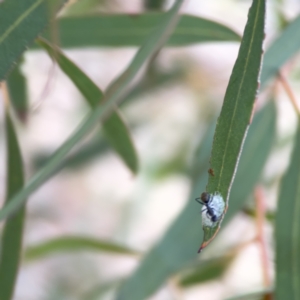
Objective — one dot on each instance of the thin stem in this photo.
(260, 216)
(289, 92)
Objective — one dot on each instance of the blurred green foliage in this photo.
(174, 257)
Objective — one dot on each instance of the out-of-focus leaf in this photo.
(125, 30)
(17, 89)
(287, 230)
(280, 51)
(257, 295)
(20, 23)
(11, 240)
(206, 270)
(74, 244)
(150, 83)
(154, 4)
(85, 6)
(114, 127)
(178, 246)
(84, 155)
(113, 96)
(98, 291)
(234, 120)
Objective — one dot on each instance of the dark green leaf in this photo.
(178, 246)
(85, 154)
(20, 23)
(287, 230)
(131, 30)
(236, 113)
(114, 127)
(152, 44)
(17, 89)
(11, 243)
(280, 51)
(74, 244)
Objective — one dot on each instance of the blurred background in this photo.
(169, 111)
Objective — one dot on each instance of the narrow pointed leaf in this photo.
(11, 240)
(67, 244)
(114, 127)
(287, 230)
(178, 246)
(152, 44)
(280, 51)
(125, 30)
(17, 89)
(236, 113)
(20, 23)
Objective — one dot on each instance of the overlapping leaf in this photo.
(236, 112)
(11, 240)
(74, 244)
(179, 245)
(20, 23)
(125, 30)
(287, 230)
(152, 44)
(114, 127)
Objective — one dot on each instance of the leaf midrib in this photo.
(19, 20)
(238, 95)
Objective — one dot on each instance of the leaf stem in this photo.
(260, 216)
(289, 92)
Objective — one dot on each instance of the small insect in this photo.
(213, 207)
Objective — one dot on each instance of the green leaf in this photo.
(236, 113)
(74, 244)
(280, 51)
(11, 242)
(20, 23)
(114, 127)
(152, 44)
(83, 155)
(287, 230)
(17, 89)
(206, 270)
(125, 30)
(178, 246)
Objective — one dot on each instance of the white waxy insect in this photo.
(213, 208)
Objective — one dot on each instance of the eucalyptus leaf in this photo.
(177, 248)
(287, 230)
(123, 30)
(117, 88)
(114, 127)
(235, 117)
(74, 244)
(20, 23)
(17, 89)
(280, 51)
(11, 240)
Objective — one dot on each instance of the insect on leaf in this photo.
(235, 117)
